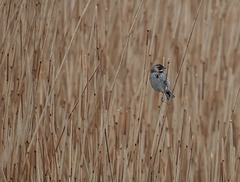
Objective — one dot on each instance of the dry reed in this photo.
(76, 103)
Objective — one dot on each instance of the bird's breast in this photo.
(157, 81)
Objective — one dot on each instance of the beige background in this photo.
(76, 103)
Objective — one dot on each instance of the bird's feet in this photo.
(162, 99)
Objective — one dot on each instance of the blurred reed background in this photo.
(76, 103)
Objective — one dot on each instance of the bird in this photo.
(159, 80)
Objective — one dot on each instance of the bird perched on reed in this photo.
(159, 80)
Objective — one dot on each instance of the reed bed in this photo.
(76, 103)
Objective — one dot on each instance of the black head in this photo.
(158, 68)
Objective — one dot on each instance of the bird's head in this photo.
(158, 68)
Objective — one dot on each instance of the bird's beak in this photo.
(164, 68)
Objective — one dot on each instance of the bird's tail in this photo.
(169, 94)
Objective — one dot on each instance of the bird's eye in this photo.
(157, 76)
